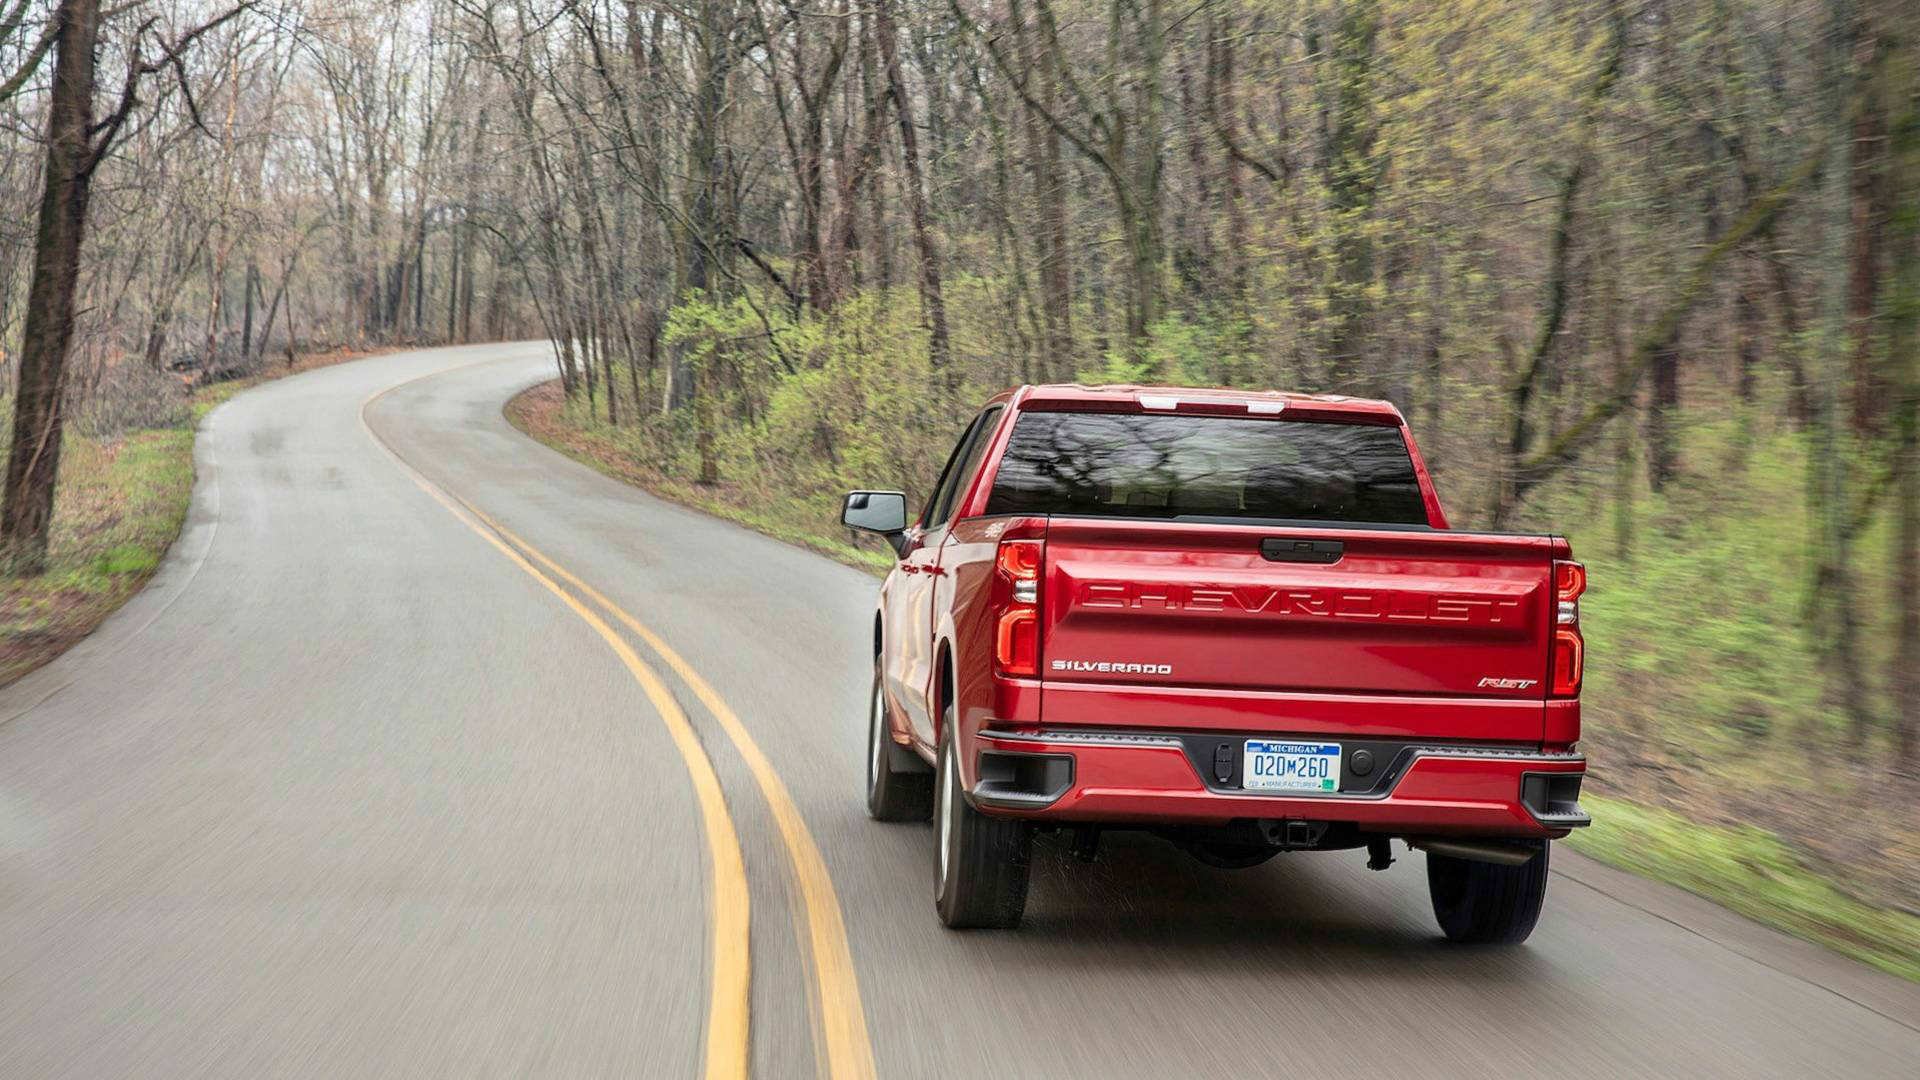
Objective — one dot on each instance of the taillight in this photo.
(1016, 639)
(1569, 648)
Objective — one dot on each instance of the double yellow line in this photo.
(838, 1014)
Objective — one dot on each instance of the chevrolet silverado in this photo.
(1239, 620)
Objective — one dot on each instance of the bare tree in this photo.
(76, 143)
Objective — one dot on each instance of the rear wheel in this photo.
(897, 789)
(1487, 903)
(981, 878)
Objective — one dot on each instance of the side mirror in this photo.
(883, 512)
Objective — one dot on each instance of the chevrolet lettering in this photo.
(1311, 603)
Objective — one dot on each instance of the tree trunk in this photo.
(1662, 459)
(877, 265)
(173, 275)
(1352, 176)
(493, 322)
(1142, 162)
(1865, 217)
(1902, 74)
(1223, 105)
(1022, 314)
(456, 267)
(1050, 195)
(1905, 681)
(704, 232)
(1540, 360)
(246, 323)
(1750, 326)
(932, 298)
(216, 306)
(1195, 261)
(1799, 394)
(1831, 597)
(33, 458)
(291, 333)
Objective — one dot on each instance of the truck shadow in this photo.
(1300, 912)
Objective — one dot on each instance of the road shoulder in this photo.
(1892, 997)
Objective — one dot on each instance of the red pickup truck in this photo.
(1235, 619)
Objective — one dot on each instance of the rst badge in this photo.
(1507, 684)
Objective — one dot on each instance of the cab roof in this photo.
(1129, 397)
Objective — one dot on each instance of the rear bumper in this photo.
(1150, 779)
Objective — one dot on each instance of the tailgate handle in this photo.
(1287, 549)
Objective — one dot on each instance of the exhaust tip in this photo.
(1502, 852)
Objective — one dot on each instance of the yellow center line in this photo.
(843, 1021)
(726, 1055)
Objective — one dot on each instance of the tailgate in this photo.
(1258, 610)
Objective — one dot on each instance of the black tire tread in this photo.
(901, 794)
(1495, 905)
(987, 883)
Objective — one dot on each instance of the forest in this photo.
(1641, 272)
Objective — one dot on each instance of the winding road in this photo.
(431, 752)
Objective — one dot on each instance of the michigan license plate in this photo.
(1290, 766)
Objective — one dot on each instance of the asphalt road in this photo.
(351, 791)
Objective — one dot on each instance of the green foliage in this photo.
(1698, 635)
(126, 559)
(1185, 350)
(1115, 367)
(714, 333)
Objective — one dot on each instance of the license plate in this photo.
(1290, 766)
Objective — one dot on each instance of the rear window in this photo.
(1145, 466)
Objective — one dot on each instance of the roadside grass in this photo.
(120, 503)
(1750, 871)
(1720, 762)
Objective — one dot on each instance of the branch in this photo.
(1062, 69)
(1274, 176)
(1759, 217)
(13, 21)
(1557, 286)
(129, 97)
(171, 59)
(753, 255)
(32, 62)
(1080, 141)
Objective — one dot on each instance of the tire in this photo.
(981, 863)
(897, 789)
(1485, 903)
